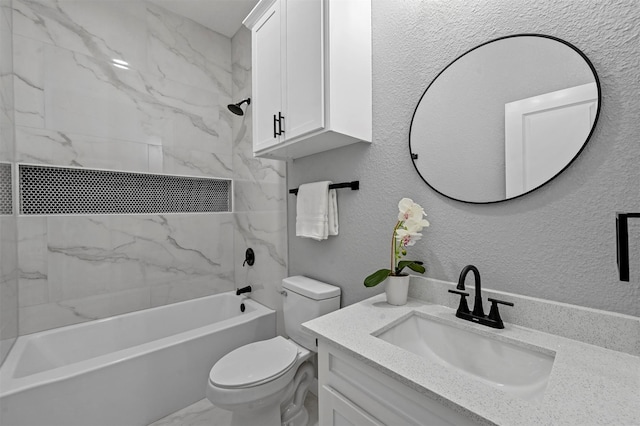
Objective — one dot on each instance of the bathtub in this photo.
(126, 370)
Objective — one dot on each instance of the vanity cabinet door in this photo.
(339, 411)
(267, 66)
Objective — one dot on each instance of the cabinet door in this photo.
(267, 82)
(304, 72)
(342, 412)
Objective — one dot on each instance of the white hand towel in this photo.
(333, 212)
(317, 213)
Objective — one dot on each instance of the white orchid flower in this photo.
(405, 233)
(416, 225)
(409, 210)
(407, 237)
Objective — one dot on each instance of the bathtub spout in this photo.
(301, 382)
(246, 289)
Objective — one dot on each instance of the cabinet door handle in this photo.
(280, 121)
(274, 126)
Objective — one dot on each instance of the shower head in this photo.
(235, 108)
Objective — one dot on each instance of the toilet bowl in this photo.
(265, 383)
(260, 389)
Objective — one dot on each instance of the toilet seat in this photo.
(254, 364)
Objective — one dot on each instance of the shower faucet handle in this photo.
(249, 257)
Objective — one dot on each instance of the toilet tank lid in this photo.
(310, 288)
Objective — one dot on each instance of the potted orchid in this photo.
(406, 232)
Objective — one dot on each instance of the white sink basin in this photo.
(516, 370)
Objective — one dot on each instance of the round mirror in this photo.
(504, 118)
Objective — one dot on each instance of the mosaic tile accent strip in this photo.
(6, 189)
(46, 190)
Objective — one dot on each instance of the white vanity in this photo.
(351, 392)
(383, 364)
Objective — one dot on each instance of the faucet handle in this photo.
(494, 314)
(462, 307)
(502, 302)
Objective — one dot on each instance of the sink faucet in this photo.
(477, 304)
(491, 320)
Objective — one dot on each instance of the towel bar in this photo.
(622, 237)
(354, 185)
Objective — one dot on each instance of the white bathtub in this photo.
(126, 370)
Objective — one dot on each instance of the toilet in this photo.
(265, 383)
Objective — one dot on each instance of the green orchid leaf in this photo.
(417, 267)
(414, 265)
(376, 278)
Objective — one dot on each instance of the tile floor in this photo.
(202, 413)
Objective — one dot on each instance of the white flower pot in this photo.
(397, 289)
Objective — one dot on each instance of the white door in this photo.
(267, 62)
(304, 98)
(544, 133)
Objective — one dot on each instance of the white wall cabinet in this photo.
(351, 392)
(311, 71)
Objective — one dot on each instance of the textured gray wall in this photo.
(557, 243)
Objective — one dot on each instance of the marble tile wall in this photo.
(78, 268)
(8, 225)
(260, 196)
(165, 113)
(6, 83)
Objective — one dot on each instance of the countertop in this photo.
(588, 384)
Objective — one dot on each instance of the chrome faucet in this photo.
(491, 320)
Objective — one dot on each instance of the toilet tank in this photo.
(304, 300)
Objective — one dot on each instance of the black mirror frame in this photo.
(595, 121)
